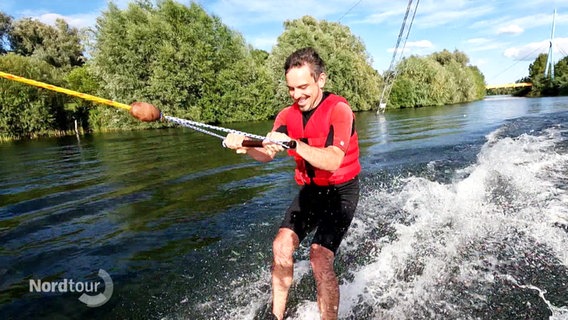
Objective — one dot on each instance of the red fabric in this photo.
(332, 111)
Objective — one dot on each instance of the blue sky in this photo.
(501, 37)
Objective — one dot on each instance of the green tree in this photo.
(59, 46)
(259, 56)
(446, 57)
(443, 57)
(464, 83)
(536, 75)
(544, 85)
(537, 68)
(479, 82)
(468, 79)
(420, 82)
(27, 111)
(348, 65)
(86, 113)
(561, 76)
(438, 79)
(179, 58)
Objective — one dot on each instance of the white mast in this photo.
(549, 71)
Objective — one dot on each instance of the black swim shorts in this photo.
(329, 210)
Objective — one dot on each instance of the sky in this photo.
(501, 37)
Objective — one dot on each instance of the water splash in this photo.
(441, 244)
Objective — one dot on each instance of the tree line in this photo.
(191, 65)
(543, 83)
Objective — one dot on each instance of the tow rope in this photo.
(149, 113)
(202, 127)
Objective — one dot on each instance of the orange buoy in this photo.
(145, 112)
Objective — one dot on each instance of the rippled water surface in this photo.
(463, 215)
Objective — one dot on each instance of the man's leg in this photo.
(321, 259)
(283, 247)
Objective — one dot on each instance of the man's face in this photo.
(303, 88)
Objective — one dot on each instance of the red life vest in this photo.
(316, 132)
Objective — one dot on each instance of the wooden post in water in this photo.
(76, 128)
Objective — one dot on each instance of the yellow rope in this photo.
(66, 91)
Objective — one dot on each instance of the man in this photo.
(327, 168)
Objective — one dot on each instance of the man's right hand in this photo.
(235, 141)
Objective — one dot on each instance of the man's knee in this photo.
(321, 259)
(283, 247)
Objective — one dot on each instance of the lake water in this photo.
(463, 215)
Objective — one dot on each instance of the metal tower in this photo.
(549, 71)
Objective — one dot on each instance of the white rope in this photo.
(201, 127)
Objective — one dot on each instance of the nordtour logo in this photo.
(69, 285)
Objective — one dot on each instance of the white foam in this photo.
(511, 186)
(307, 310)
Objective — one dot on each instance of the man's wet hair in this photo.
(305, 56)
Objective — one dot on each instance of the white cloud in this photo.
(513, 53)
(530, 51)
(482, 44)
(532, 21)
(509, 23)
(487, 47)
(416, 47)
(243, 12)
(264, 43)
(510, 29)
(87, 18)
(381, 17)
(481, 62)
(420, 44)
(77, 20)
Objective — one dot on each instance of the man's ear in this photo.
(321, 80)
